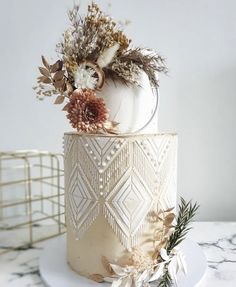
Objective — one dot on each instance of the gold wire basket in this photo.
(31, 198)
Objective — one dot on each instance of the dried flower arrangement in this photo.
(93, 50)
(166, 261)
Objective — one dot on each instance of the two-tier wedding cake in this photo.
(120, 173)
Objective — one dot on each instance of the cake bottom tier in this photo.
(85, 255)
(113, 185)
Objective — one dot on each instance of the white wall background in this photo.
(198, 98)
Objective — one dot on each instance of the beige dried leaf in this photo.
(149, 240)
(59, 84)
(59, 75)
(97, 278)
(107, 266)
(169, 219)
(65, 108)
(45, 62)
(155, 254)
(59, 100)
(169, 209)
(44, 79)
(44, 71)
(69, 88)
(114, 124)
(110, 127)
(159, 218)
(56, 67)
(158, 235)
(64, 86)
(167, 231)
(152, 216)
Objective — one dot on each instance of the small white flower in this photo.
(85, 78)
(177, 264)
(164, 254)
(159, 271)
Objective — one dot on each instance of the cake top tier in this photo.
(106, 84)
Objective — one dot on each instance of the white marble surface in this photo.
(20, 268)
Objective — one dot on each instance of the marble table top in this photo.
(218, 239)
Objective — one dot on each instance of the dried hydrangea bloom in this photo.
(86, 112)
(141, 261)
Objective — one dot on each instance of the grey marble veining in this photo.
(19, 268)
(218, 241)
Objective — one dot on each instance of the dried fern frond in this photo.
(127, 66)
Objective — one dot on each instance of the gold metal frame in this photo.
(30, 185)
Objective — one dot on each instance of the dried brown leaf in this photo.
(58, 75)
(56, 67)
(44, 79)
(169, 219)
(107, 266)
(168, 230)
(169, 209)
(44, 71)
(159, 218)
(59, 84)
(97, 278)
(59, 100)
(162, 243)
(69, 88)
(65, 108)
(45, 62)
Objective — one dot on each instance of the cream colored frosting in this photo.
(112, 183)
(133, 107)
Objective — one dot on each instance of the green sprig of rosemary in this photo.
(187, 211)
(166, 280)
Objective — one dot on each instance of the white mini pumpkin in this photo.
(133, 107)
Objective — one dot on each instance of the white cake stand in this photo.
(56, 272)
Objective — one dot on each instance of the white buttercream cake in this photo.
(120, 172)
